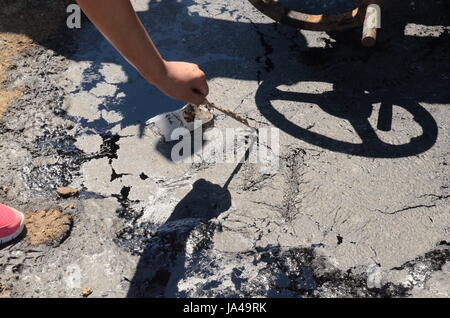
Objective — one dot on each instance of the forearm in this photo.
(118, 22)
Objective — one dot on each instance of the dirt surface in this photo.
(50, 227)
(24, 23)
(10, 47)
(357, 207)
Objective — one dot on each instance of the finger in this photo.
(200, 84)
(196, 98)
(202, 87)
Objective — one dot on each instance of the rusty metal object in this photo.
(314, 22)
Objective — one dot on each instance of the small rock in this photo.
(69, 207)
(5, 189)
(374, 276)
(85, 292)
(66, 192)
(4, 292)
(50, 227)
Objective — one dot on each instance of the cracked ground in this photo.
(359, 205)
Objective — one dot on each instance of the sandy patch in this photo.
(50, 227)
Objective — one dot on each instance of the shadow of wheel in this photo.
(371, 146)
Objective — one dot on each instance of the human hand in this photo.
(183, 81)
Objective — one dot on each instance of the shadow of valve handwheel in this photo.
(356, 109)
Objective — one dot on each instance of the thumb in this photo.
(196, 98)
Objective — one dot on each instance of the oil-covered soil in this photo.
(358, 206)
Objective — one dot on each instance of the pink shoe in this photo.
(11, 223)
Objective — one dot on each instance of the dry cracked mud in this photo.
(358, 205)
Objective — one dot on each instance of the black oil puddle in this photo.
(296, 273)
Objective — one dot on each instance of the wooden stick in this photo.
(233, 115)
(371, 23)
